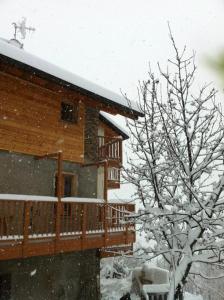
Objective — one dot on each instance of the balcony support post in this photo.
(58, 205)
(26, 225)
(126, 227)
(120, 151)
(84, 223)
(106, 203)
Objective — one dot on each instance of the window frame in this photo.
(64, 115)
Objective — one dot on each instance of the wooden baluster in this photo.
(26, 225)
(113, 216)
(19, 209)
(78, 218)
(44, 212)
(10, 218)
(98, 217)
(107, 148)
(66, 216)
(84, 224)
(95, 223)
(120, 150)
(105, 180)
(1, 220)
(71, 217)
(127, 225)
(111, 149)
(105, 225)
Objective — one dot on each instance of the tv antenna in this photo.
(21, 28)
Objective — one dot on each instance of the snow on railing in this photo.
(29, 216)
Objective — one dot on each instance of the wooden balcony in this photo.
(110, 148)
(36, 225)
(113, 177)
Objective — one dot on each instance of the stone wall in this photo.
(72, 276)
(23, 174)
(91, 133)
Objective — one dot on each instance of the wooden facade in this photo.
(31, 121)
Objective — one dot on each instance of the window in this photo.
(69, 112)
(5, 286)
(69, 185)
(69, 189)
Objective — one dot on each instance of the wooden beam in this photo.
(105, 180)
(26, 225)
(50, 155)
(58, 204)
(84, 223)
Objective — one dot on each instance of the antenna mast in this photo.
(21, 28)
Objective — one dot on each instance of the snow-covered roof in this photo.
(106, 117)
(67, 78)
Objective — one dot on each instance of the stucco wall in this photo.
(23, 174)
(72, 276)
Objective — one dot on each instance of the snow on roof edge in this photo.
(31, 60)
(115, 124)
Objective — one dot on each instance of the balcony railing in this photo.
(113, 174)
(109, 148)
(35, 225)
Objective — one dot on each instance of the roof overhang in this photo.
(111, 123)
(25, 61)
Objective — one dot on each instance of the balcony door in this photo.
(69, 185)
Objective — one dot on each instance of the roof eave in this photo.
(122, 133)
(123, 110)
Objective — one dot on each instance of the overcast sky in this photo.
(112, 42)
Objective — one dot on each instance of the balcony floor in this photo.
(12, 248)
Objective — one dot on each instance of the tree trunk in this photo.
(179, 293)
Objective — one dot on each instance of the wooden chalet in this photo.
(60, 153)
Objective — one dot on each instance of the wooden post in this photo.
(58, 205)
(105, 204)
(84, 223)
(120, 151)
(105, 180)
(126, 227)
(26, 225)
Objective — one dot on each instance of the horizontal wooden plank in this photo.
(12, 250)
(31, 122)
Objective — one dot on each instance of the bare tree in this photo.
(178, 169)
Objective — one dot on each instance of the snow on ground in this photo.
(189, 296)
(114, 289)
